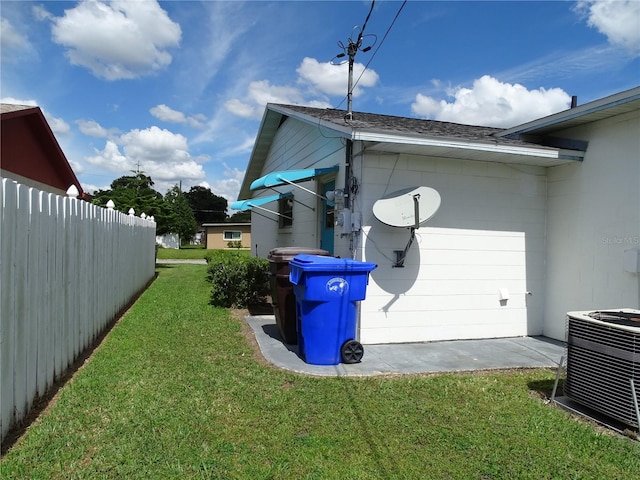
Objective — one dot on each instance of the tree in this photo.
(182, 221)
(135, 191)
(207, 207)
(240, 217)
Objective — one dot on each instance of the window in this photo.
(231, 235)
(285, 209)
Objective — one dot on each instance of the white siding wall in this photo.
(296, 146)
(488, 234)
(594, 216)
(67, 269)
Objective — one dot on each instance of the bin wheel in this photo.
(351, 351)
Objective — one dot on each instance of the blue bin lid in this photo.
(317, 263)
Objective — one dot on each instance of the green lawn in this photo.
(189, 252)
(175, 391)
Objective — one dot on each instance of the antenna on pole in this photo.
(350, 51)
(137, 171)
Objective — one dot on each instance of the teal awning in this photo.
(244, 205)
(289, 177)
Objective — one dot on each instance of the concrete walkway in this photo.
(408, 358)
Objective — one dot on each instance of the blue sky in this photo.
(178, 88)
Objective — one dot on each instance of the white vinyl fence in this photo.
(67, 269)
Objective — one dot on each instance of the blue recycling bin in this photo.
(327, 290)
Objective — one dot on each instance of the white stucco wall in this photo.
(489, 234)
(594, 216)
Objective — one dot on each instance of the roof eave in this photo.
(596, 106)
(271, 120)
(537, 151)
(342, 130)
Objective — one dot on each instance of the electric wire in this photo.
(360, 36)
(373, 55)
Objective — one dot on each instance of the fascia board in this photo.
(344, 131)
(576, 112)
(542, 152)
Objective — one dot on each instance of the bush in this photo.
(238, 280)
(234, 244)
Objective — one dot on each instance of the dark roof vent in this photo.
(574, 101)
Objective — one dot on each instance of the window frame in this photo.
(285, 209)
(224, 235)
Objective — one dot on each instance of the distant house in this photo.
(534, 221)
(218, 235)
(31, 154)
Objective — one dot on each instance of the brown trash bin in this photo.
(282, 296)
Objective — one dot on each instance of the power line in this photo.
(381, 41)
(360, 37)
(350, 50)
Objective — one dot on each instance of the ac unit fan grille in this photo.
(601, 361)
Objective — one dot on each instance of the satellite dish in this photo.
(408, 207)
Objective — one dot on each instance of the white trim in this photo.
(542, 152)
(576, 112)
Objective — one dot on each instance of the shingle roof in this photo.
(406, 126)
(403, 135)
(8, 108)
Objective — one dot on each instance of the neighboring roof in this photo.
(618, 104)
(386, 133)
(31, 149)
(7, 107)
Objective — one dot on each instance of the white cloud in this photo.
(41, 13)
(77, 167)
(119, 39)
(11, 39)
(17, 101)
(93, 129)
(333, 79)
(111, 159)
(243, 109)
(492, 103)
(224, 25)
(315, 82)
(229, 187)
(91, 188)
(58, 125)
(168, 114)
(261, 92)
(618, 20)
(161, 154)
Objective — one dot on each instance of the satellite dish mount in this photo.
(407, 208)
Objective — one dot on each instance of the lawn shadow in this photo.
(262, 308)
(544, 388)
(160, 266)
(42, 403)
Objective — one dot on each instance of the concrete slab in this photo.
(407, 358)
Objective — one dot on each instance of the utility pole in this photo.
(350, 51)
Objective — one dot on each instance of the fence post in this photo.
(72, 192)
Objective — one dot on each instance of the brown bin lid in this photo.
(285, 254)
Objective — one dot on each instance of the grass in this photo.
(189, 252)
(176, 391)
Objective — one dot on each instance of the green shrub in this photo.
(234, 244)
(238, 280)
